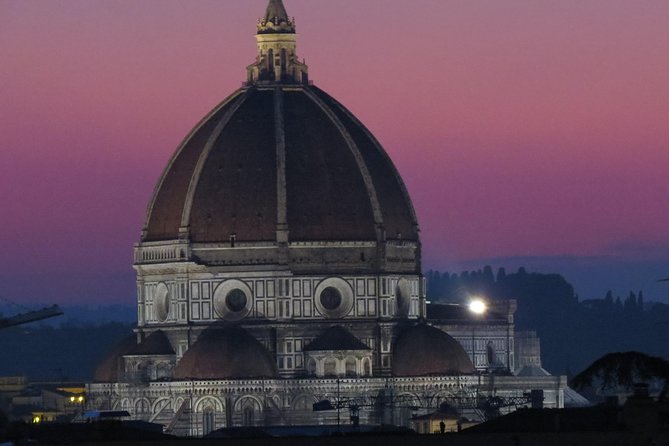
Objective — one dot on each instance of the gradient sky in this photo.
(528, 132)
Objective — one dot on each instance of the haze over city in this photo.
(528, 133)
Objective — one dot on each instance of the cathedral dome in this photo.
(226, 353)
(285, 158)
(284, 174)
(425, 350)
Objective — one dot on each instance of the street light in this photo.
(78, 402)
(478, 306)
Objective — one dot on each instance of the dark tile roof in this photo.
(228, 167)
(425, 350)
(227, 352)
(155, 344)
(110, 368)
(335, 338)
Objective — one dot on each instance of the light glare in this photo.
(477, 306)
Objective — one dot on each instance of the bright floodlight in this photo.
(477, 306)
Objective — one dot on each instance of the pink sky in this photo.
(522, 128)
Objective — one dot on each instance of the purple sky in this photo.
(528, 132)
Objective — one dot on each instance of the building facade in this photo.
(280, 265)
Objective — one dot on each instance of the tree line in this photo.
(574, 332)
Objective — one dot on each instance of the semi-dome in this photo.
(285, 159)
(425, 350)
(111, 366)
(226, 353)
(154, 344)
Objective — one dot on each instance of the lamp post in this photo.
(78, 402)
(477, 307)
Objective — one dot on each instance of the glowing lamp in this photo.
(478, 306)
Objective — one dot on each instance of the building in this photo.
(280, 265)
(41, 402)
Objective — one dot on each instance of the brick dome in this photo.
(425, 350)
(226, 353)
(280, 158)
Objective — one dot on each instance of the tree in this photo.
(616, 370)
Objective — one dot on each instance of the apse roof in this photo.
(425, 350)
(227, 352)
(336, 338)
(110, 367)
(155, 344)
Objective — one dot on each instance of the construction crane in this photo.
(30, 316)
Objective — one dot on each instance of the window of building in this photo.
(350, 366)
(311, 366)
(248, 416)
(366, 367)
(236, 300)
(330, 298)
(330, 367)
(208, 424)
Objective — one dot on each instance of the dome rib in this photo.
(327, 196)
(164, 189)
(366, 177)
(278, 165)
(380, 151)
(204, 156)
(281, 186)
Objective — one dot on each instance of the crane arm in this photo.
(31, 316)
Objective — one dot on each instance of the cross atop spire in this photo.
(276, 19)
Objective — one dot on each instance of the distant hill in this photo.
(69, 352)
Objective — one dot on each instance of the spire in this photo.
(276, 10)
(276, 19)
(276, 60)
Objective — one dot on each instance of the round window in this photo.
(330, 298)
(162, 302)
(235, 300)
(333, 298)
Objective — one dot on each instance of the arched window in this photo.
(163, 370)
(141, 406)
(270, 64)
(248, 416)
(330, 367)
(284, 62)
(208, 420)
(366, 367)
(311, 366)
(351, 367)
(492, 356)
